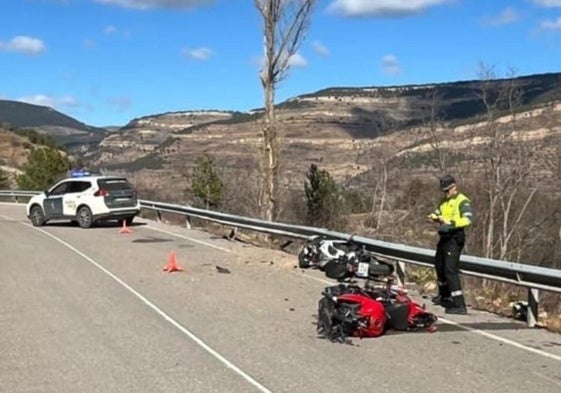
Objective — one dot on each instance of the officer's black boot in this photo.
(458, 306)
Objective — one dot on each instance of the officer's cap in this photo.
(446, 182)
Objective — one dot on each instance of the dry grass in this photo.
(552, 323)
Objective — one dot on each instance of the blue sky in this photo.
(106, 62)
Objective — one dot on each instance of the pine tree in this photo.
(323, 197)
(206, 184)
(44, 167)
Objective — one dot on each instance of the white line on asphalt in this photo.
(188, 238)
(503, 340)
(476, 331)
(176, 324)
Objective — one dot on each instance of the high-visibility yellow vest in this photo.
(457, 210)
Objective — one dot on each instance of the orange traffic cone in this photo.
(172, 265)
(125, 229)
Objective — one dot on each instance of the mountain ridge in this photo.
(343, 130)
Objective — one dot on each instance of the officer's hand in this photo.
(443, 220)
(432, 217)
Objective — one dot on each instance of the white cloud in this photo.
(297, 60)
(110, 29)
(508, 15)
(320, 48)
(381, 8)
(547, 3)
(551, 24)
(198, 53)
(68, 101)
(24, 44)
(51, 101)
(390, 65)
(150, 4)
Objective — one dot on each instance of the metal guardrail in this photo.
(530, 276)
(16, 194)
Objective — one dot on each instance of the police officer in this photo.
(453, 214)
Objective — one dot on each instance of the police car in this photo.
(85, 198)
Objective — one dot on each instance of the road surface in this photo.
(90, 310)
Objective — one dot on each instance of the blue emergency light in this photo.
(79, 173)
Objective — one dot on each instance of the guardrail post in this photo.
(232, 233)
(159, 216)
(533, 303)
(16, 198)
(187, 222)
(401, 276)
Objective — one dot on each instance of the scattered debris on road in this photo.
(220, 269)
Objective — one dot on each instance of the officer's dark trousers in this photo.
(447, 259)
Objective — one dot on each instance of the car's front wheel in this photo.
(84, 217)
(37, 217)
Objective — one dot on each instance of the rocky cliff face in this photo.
(351, 132)
(144, 135)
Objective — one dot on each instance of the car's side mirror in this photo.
(46, 192)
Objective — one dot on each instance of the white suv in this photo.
(85, 199)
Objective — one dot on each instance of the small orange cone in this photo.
(172, 265)
(125, 229)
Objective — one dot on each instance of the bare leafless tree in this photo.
(385, 167)
(506, 163)
(435, 121)
(379, 194)
(285, 23)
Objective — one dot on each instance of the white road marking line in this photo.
(187, 238)
(473, 330)
(172, 321)
(503, 340)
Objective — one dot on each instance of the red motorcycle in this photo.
(348, 310)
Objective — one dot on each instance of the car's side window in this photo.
(79, 186)
(61, 189)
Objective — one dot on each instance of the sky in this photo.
(106, 62)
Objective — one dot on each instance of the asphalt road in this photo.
(92, 311)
